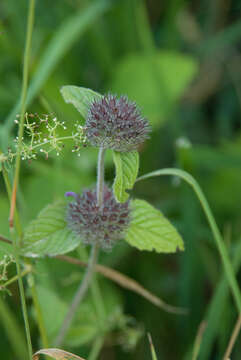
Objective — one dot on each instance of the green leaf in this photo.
(80, 97)
(150, 230)
(155, 82)
(126, 167)
(48, 234)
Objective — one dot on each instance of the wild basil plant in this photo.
(103, 215)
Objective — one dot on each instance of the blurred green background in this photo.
(180, 61)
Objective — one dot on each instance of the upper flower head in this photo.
(105, 224)
(116, 124)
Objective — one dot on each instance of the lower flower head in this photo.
(116, 124)
(105, 224)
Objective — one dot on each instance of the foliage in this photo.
(179, 62)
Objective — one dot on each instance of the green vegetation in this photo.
(180, 62)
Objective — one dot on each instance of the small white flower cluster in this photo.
(42, 135)
(7, 260)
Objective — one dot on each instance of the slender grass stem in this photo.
(198, 340)
(18, 268)
(96, 348)
(233, 284)
(22, 297)
(13, 331)
(17, 171)
(233, 338)
(84, 285)
(153, 352)
(39, 314)
(23, 106)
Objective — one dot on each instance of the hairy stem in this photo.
(81, 291)
(211, 220)
(84, 285)
(100, 176)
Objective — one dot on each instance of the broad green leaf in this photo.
(126, 167)
(150, 230)
(155, 82)
(48, 234)
(80, 97)
(56, 354)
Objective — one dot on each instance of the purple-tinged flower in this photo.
(116, 123)
(105, 224)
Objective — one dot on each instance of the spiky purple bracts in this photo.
(116, 124)
(104, 225)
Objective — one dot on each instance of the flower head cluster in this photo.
(116, 124)
(105, 224)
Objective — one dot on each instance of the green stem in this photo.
(98, 300)
(211, 220)
(100, 176)
(81, 291)
(17, 259)
(23, 106)
(22, 297)
(16, 277)
(39, 314)
(96, 348)
(13, 330)
(9, 192)
(17, 169)
(84, 285)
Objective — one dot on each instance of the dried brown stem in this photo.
(2, 238)
(233, 338)
(127, 283)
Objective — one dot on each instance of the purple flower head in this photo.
(105, 224)
(116, 124)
